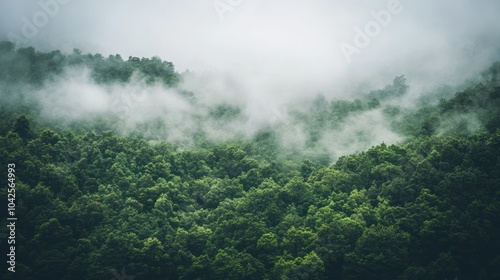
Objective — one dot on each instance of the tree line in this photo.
(93, 203)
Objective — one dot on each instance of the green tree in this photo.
(380, 253)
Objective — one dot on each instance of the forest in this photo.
(97, 201)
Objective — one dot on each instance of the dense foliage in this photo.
(29, 66)
(94, 204)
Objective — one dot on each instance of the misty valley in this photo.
(128, 169)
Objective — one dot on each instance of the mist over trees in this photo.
(170, 186)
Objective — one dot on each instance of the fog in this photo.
(259, 56)
(284, 42)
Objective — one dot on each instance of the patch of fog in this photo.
(359, 133)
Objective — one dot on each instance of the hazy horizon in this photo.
(284, 44)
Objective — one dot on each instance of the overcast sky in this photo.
(282, 43)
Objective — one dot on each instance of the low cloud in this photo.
(262, 60)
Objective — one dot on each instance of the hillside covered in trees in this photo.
(100, 197)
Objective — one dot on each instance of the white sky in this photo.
(284, 44)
